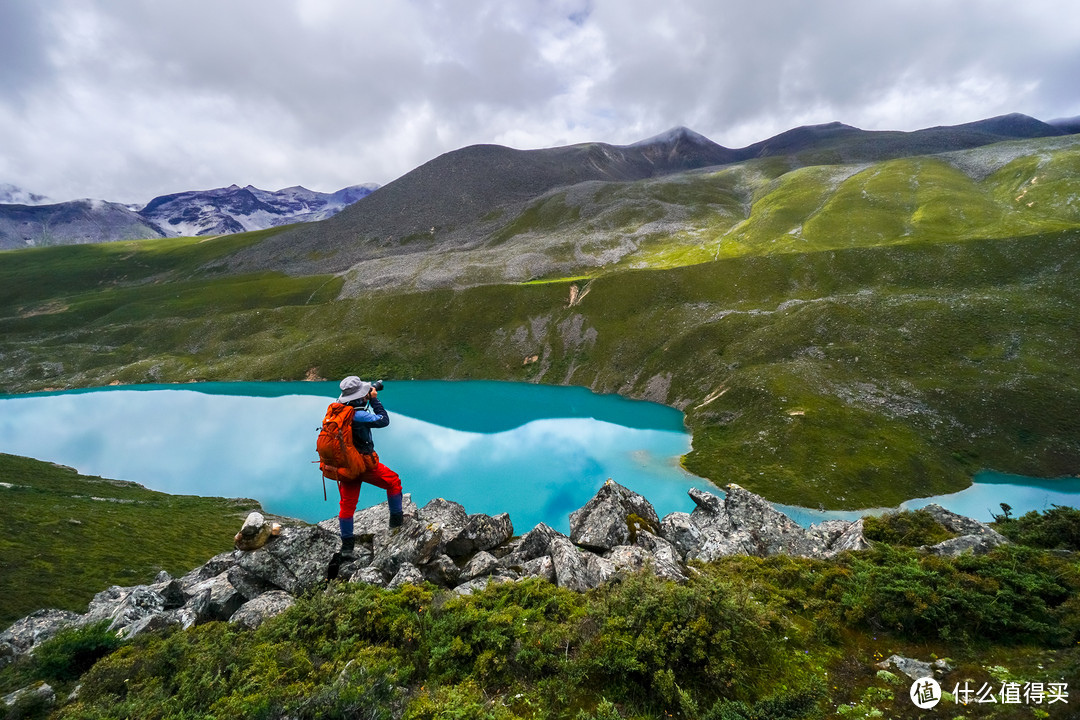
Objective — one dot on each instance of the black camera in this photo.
(378, 385)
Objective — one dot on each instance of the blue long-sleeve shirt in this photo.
(364, 420)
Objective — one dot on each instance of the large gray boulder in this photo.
(407, 574)
(37, 627)
(613, 516)
(740, 524)
(482, 563)
(216, 598)
(370, 521)
(214, 566)
(534, 544)
(578, 569)
(481, 532)
(40, 694)
(448, 515)
(414, 543)
(123, 606)
(255, 612)
(974, 537)
(836, 536)
(963, 545)
(295, 561)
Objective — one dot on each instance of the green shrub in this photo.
(1012, 594)
(679, 646)
(908, 528)
(1055, 529)
(71, 652)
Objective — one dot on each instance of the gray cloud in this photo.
(126, 99)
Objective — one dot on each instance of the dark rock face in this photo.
(617, 532)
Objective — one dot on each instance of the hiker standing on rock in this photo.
(369, 413)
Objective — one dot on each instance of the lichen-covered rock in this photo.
(449, 515)
(613, 516)
(221, 598)
(151, 623)
(745, 524)
(481, 532)
(370, 521)
(914, 669)
(534, 544)
(41, 693)
(578, 569)
(29, 632)
(836, 536)
(211, 568)
(468, 588)
(482, 563)
(649, 552)
(442, 570)
(407, 574)
(962, 525)
(170, 589)
(541, 567)
(295, 561)
(963, 545)
(247, 583)
(679, 529)
(414, 543)
(255, 612)
(369, 576)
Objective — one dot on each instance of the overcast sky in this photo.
(125, 100)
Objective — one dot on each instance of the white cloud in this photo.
(127, 100)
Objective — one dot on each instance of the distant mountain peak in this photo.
(673, 136)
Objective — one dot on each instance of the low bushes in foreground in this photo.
(744, 638)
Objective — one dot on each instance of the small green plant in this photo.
(71, 652)
(906, 528)
(1055, 529)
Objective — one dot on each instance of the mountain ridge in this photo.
(466, 199)
(193, 213)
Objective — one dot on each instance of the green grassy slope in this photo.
(845, 378)
(837, 335)
(68, 536)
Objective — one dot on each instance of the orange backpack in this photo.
(339, 459)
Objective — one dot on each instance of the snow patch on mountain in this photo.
(239, 209)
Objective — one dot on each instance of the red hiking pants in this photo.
(381, 476)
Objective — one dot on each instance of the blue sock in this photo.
(394, 501)
(346, 527)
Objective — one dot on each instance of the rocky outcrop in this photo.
(617, 532)
(973, 536)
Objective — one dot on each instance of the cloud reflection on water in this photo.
(187, 442)
(191, 442)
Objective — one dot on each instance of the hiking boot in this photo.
(347, 545)
(395, 520)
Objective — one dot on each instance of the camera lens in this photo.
(378, 385)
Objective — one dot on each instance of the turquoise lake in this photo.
(536, 452)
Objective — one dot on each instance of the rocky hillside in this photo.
(629, 616)
(471, 202)
(617, 532)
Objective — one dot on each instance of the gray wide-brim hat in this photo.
(353, 388)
